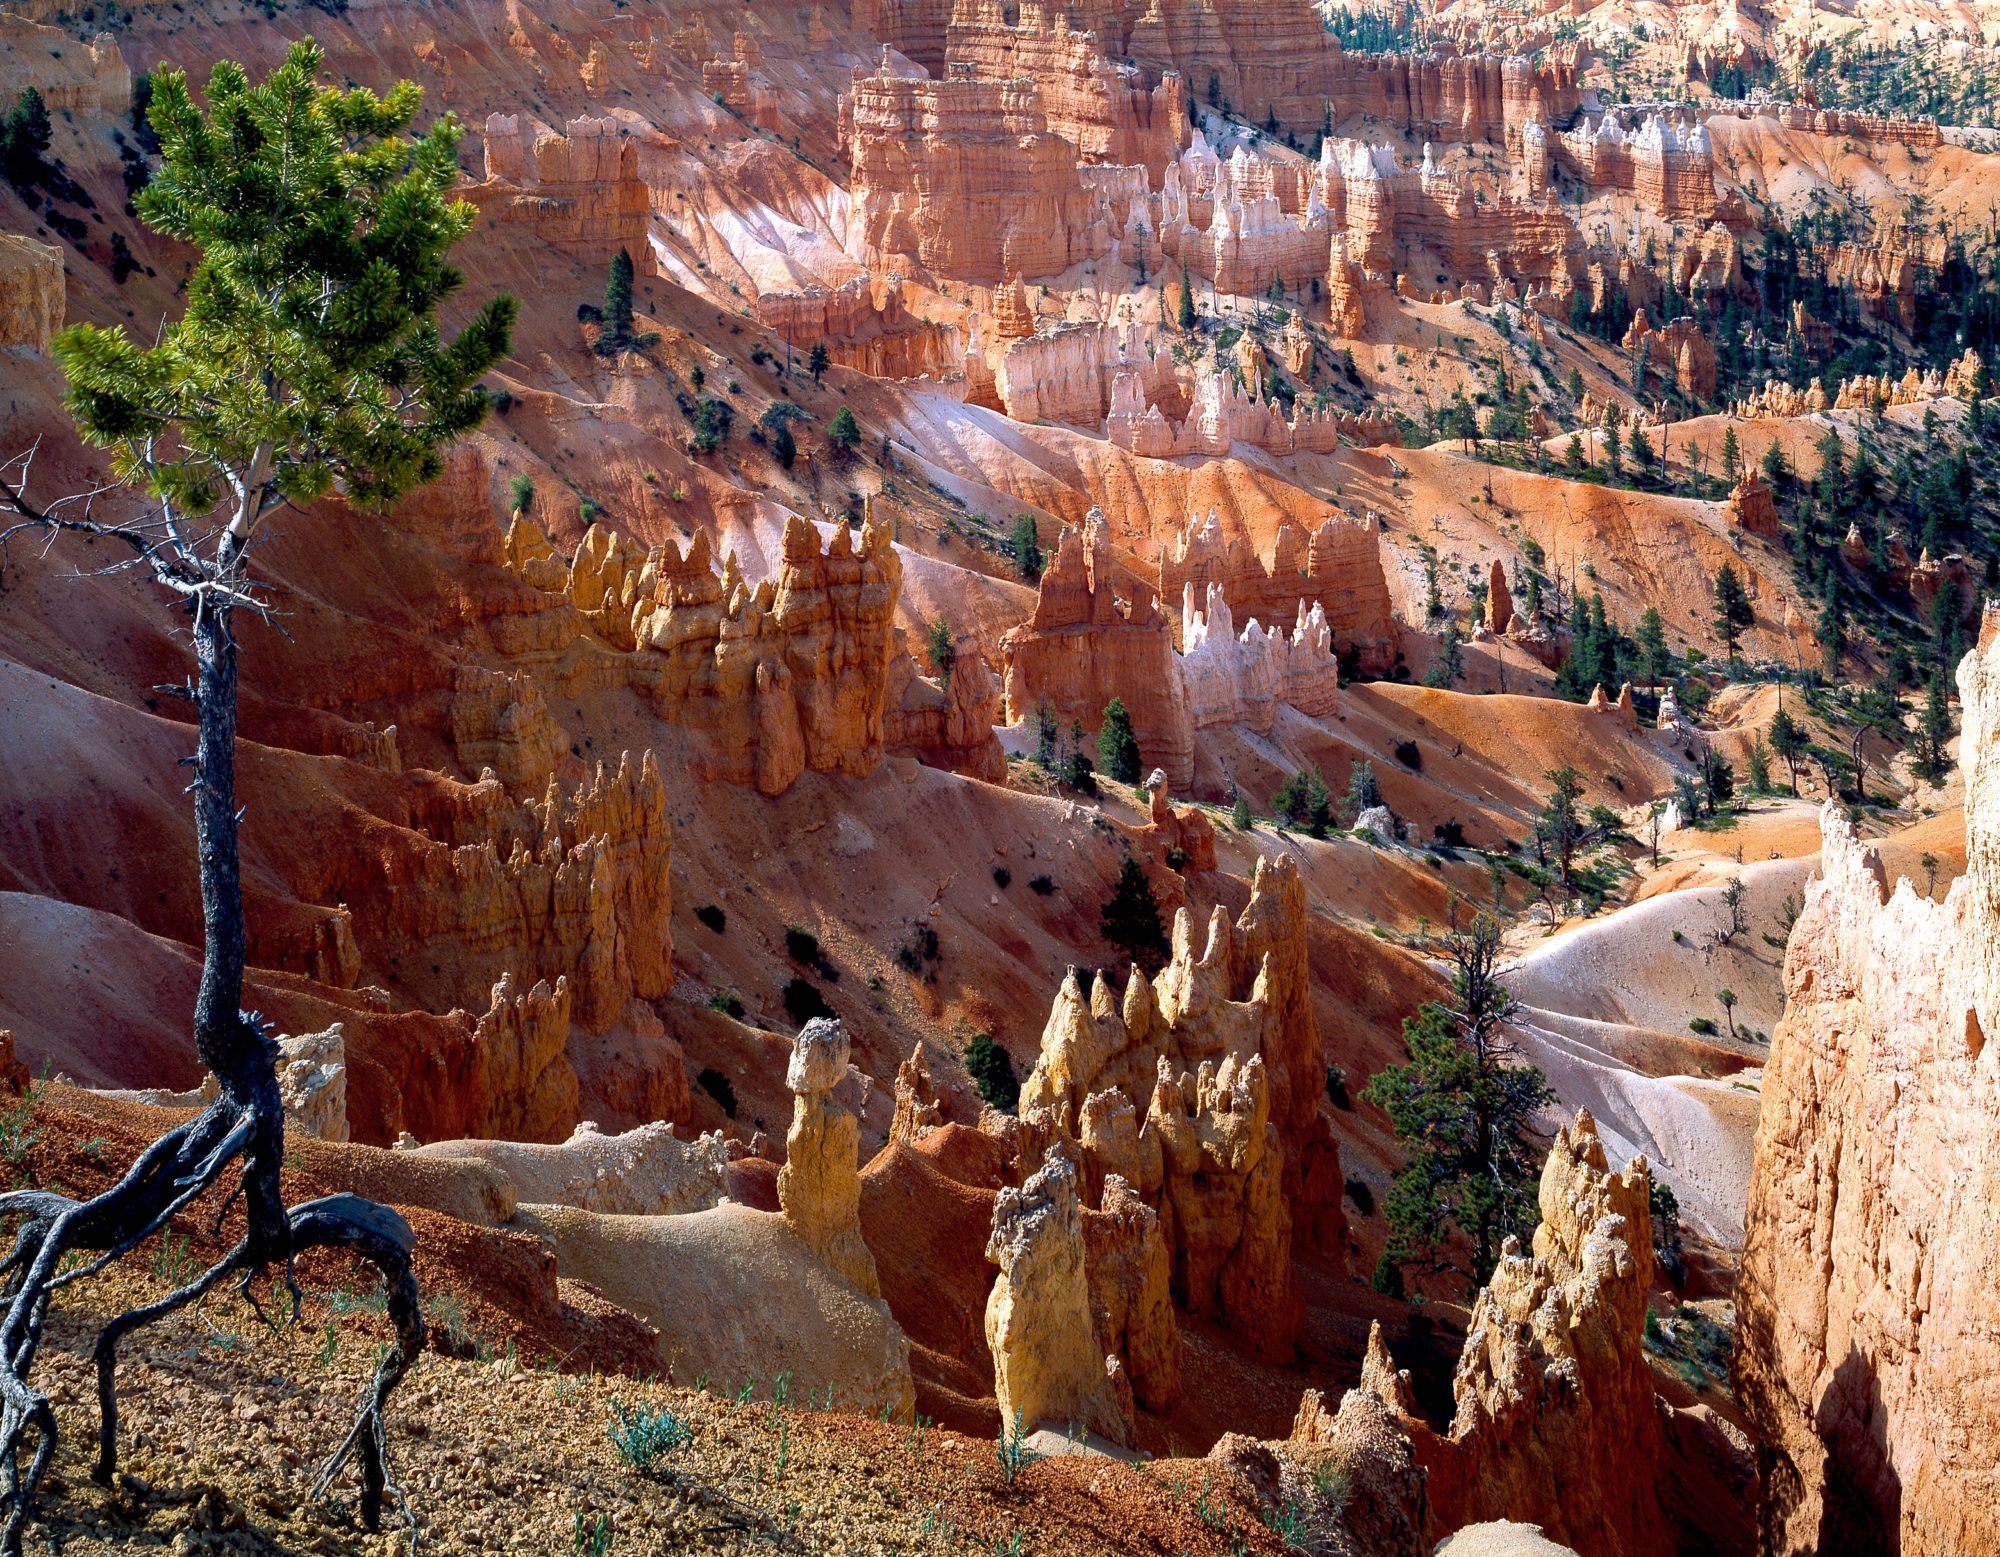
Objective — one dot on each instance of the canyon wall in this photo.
(965, 178)
(1084, 646)
(1337, 568)
(578, 191)
(806, 671)
(1867, 1359)
(1264, 59)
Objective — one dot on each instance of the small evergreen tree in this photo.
(1027, 548)
(1789, 740)
(1831, 629)
(992, 1071)
(1117, 748)
(1130, 919)
(1573, 455)
(520, 494)
(843, 434)
(784, 446)
(1760, 766)
(1365, 791)
(1047, 734)
(1655, 659)
(1732, 456)
(1239, 812)
(1560, 823)
(309, 357)
(24, 140)
(1612, 461)
(818, 361)
(1934, 730)
(1184, 310)
(1449, 664)
(942, 648)
(1077, 771)
(1642, 449)
(1576, 385)
(1732, 608)
(1462, 1107)
(618, 299)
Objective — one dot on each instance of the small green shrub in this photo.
(992, 1071)
(717, 1086)
(1362, 1196)
(520, 493)
(803, 1002)
(1041, 886)
(1336, 1088)
(728, 1002)
(1702, 1025)
(713, 917)
(801, 945)
(641, 1437)
(1002, 876)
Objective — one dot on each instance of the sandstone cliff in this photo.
(31, 292)
(1866, 1356)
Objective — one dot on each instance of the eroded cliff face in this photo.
(1084, 646)
(1867, 1356)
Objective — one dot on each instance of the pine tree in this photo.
(1732, 456)
(1760, 766)
(1184, 310)
(1449, 663)
(1130, 919)
(1117, 748)
(1047, 735)
(1027, 547)
(1576, 385)
(1934, 730)
(941, 647)
(1789, 740)
(1831, 629)
(1364, 790)
(1239, 812)
(1077, 770)
(24, 140)
(618, 300)
(1276, 291)
(1612, 462)
(309, 356)
(784, 446)
(1732, 608)
(1462, 1107)
(1654, 657)
(1642, 449)
(843, 434)
(1560, 823)
(1573, 456)
(818, 360)
(1945, 638)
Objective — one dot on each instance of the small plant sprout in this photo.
(592, 1539)
(1012, 1451)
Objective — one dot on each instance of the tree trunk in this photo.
(229, 1040)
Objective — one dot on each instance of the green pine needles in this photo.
(1461, 1108)
(309, 355)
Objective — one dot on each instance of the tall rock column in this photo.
(1556, 1422)
(1047, 1364)
(819, 1186)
